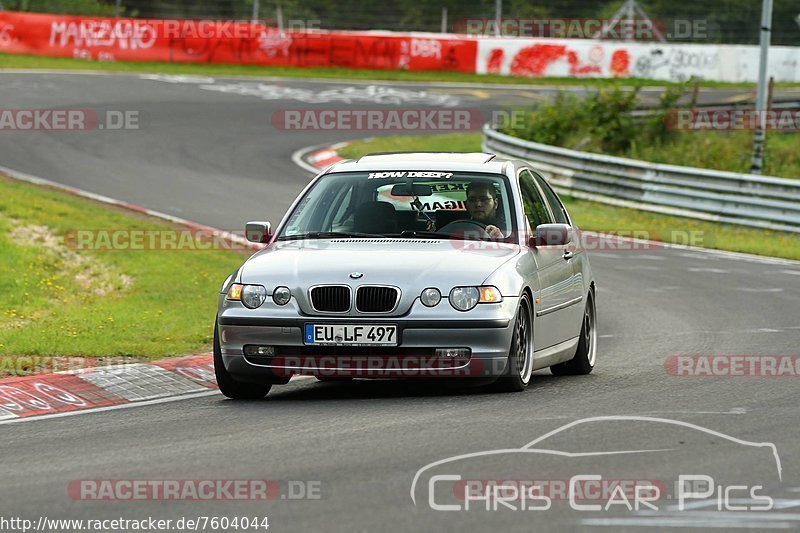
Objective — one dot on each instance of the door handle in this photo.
(568, 255)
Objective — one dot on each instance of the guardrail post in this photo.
(761, 96)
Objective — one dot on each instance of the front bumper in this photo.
(486, 334)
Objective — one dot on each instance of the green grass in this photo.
(719, 150)
(730, 151)
(679, 230)
(59, 300)
(601, 123)
(13, 61)
(450, 142)
(605, 218)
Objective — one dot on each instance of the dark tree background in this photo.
(727, 21)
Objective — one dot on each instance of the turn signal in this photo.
(490, 295)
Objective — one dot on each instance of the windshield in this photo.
(432, 204)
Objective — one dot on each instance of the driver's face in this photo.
(481, 205)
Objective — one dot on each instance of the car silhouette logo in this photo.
(357, 275)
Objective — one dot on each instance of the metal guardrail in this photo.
(746, 199)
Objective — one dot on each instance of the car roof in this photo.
(447, 161)
(461, 157)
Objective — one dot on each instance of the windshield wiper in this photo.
(424, 234)
(326, 235)
(438, 235)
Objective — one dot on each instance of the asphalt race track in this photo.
(211, 155)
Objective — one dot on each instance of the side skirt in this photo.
(553, 355)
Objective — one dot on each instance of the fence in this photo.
(720, 21)
(110, 39)
(746, 199)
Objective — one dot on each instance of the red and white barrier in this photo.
(188, 41)
(104, 386)
(108, 39)
(584, 58)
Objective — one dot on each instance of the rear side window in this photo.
(535, 209)
(557, 207)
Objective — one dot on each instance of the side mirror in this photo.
(260, 232)
(551, 235)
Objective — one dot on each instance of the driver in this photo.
(482, 202)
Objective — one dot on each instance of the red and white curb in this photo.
(105, 386)
(317, 158)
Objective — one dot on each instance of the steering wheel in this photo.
(466, 226)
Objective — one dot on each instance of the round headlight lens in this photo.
(253, 296)
(281, 295)
(430, 297)
(464, 298)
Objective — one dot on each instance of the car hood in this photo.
(409, 264)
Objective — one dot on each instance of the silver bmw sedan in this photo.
(411, 265)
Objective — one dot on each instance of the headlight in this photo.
(281, 295)
(253, 296)
(464, 298)
(430, 297)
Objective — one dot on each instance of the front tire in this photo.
(228, 386)
(586, 354)
(520, 357)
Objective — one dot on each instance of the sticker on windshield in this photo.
(384, 175)
(448, 199)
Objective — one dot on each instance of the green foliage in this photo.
(723, 150)
(71, 7)
(603, 119)
(56, 300)
(608, 119)
(603, 122)
(448, 142)
(655, 130)
(552, 123)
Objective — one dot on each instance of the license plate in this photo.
(351, 334)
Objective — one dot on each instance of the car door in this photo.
(574, 256)
(555, 299)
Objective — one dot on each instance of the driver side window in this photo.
(535, 209)
(343, 215)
